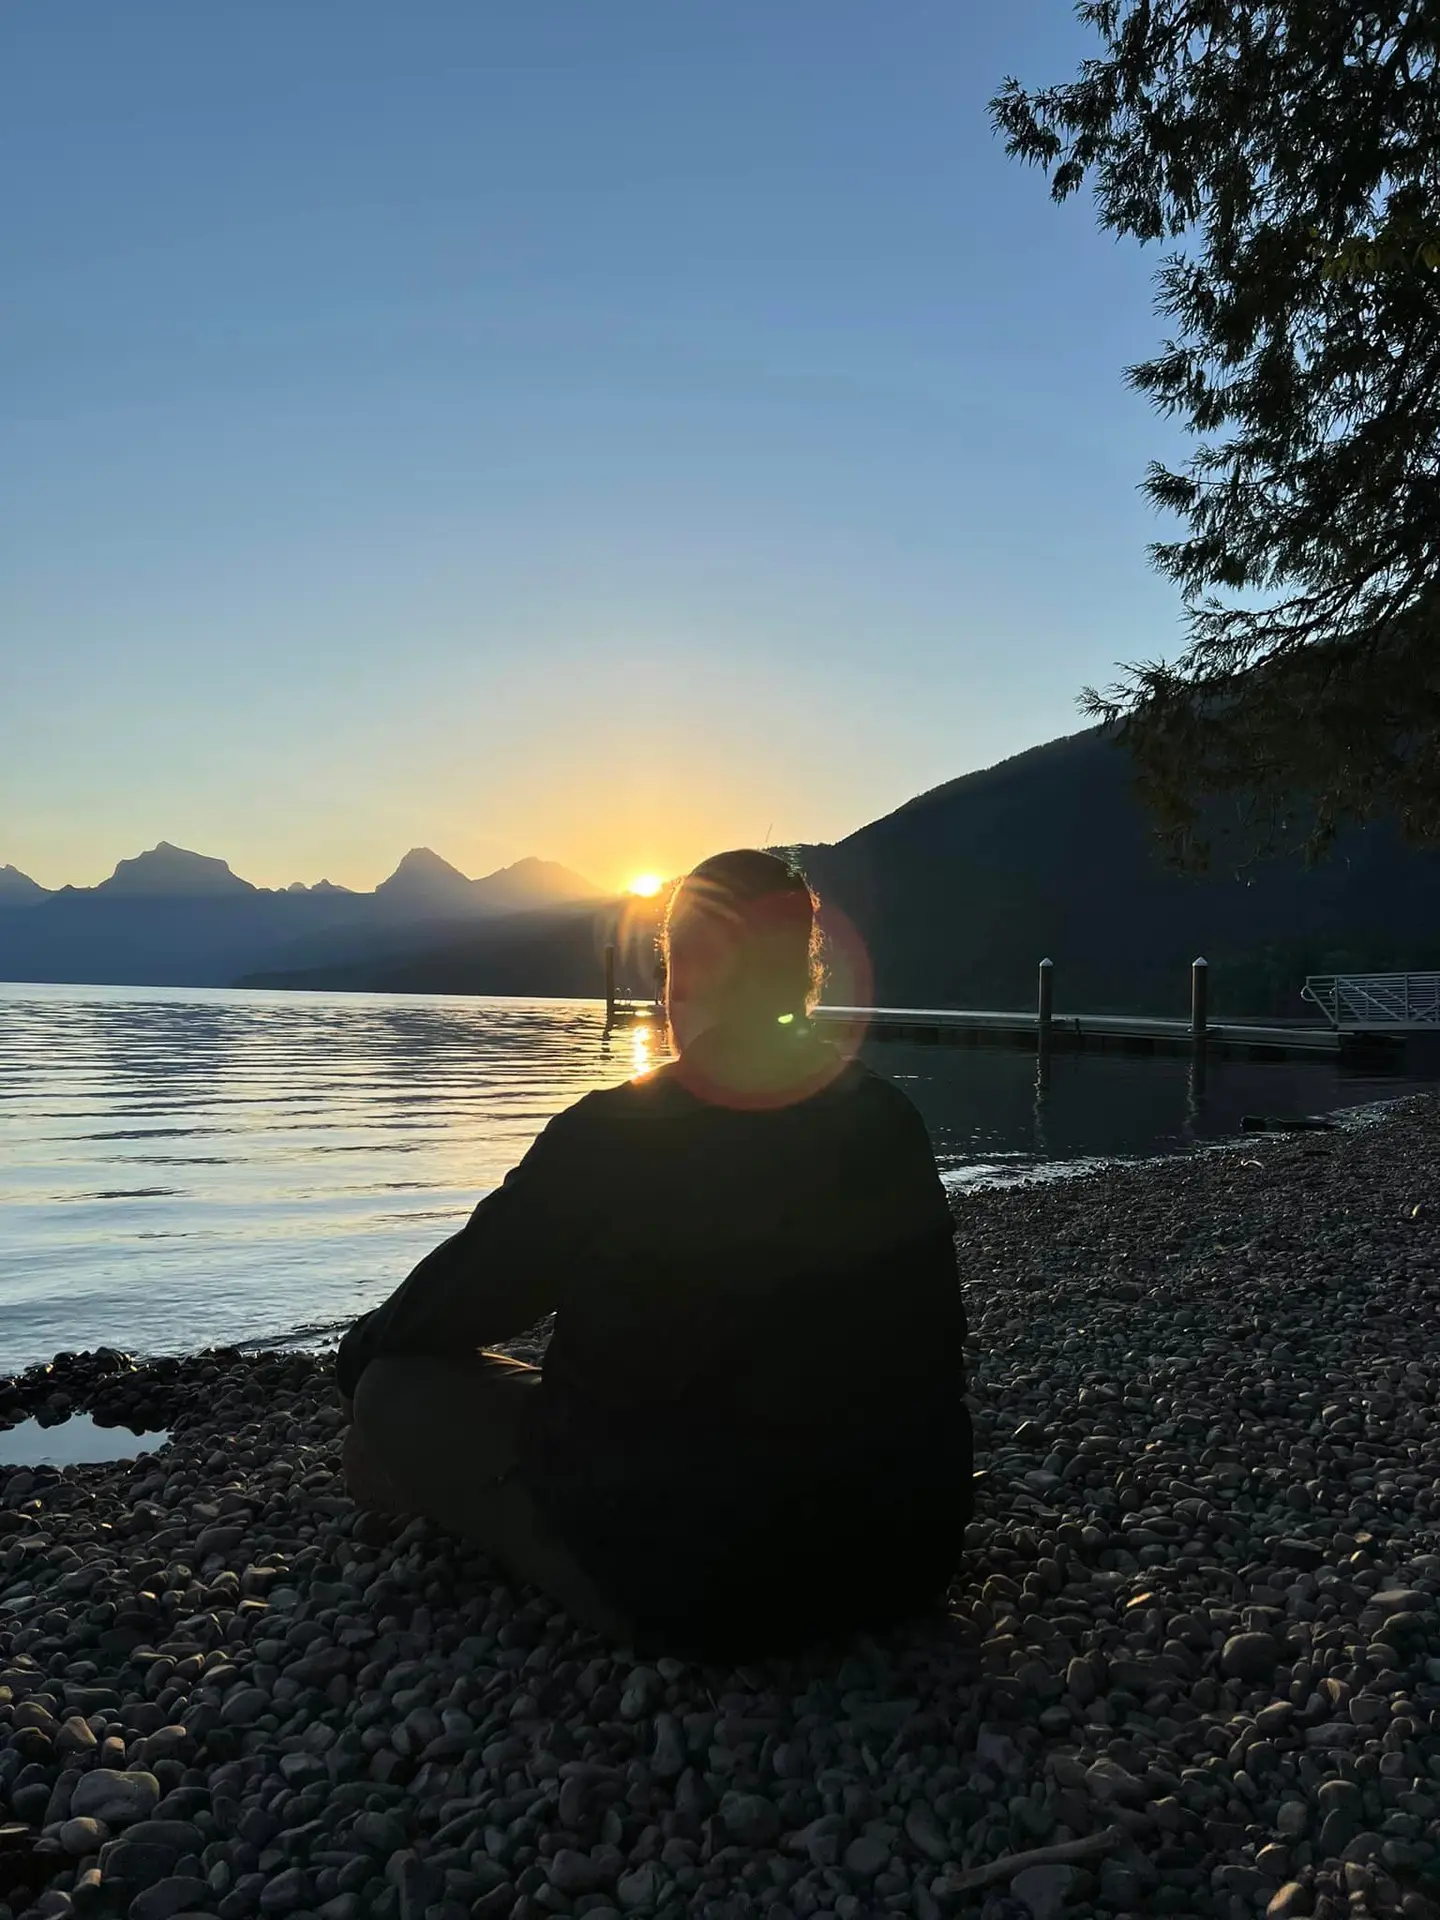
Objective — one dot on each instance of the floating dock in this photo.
(1372, 1036)
(1112, 1033)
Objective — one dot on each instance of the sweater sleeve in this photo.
(505, 1269)
(915, 1189)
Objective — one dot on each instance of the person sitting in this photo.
(749, 1429)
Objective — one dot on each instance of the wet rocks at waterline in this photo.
(1191, 1664)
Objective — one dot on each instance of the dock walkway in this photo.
(1112, 1032)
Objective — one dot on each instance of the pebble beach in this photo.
(1190, 1665)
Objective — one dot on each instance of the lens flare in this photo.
(647, 885)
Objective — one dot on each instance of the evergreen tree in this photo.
(1292, 150)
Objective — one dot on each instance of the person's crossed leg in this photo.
(442, 1437)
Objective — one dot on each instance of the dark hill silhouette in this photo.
(528, 883)
(557, 952)
(960, 892)
(173, 873)
(171, 917)
(19, 890)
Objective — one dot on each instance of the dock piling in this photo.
(610, 986)
(1199, 1001)
(1045, 1003)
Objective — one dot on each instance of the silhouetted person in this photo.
(749, 1428)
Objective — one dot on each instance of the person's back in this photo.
(765, 1348)
(750, 1426)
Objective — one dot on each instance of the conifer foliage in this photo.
(1291, 154)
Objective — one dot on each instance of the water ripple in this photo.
(288, 1115)
(302, 1110)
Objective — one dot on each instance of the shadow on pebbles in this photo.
(1190, 1660)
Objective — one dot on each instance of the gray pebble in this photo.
(244, 1706)
(1121, 1886)
(571, 1872)
(286, 1892)
(82, 1836)
(1044, 1890)
(117, 1798)
(1250, 1656)
(668, 1760)
(640, 1887)
(750, 1819)
(1290, 1901)
(642, 1690)
(1292, 1819)
(1108, 1780)
(866, 1856)
(75, 1736)
(166, 1898)
(925, 1831)
(1340, 1797)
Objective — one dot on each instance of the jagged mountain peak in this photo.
(18, 889)
(423, 873)
(426, 860)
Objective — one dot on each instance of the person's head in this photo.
(741, 945)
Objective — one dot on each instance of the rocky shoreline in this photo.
(1192, 1660)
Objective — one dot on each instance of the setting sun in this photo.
(647, 885)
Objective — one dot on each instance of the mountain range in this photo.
(170, 917)
(955, 896)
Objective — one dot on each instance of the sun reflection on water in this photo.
(647, 1047)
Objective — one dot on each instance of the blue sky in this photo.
(600, 431)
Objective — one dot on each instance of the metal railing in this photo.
(1369, 1000)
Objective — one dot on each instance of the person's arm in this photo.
(498, 1275)
(913, 1211)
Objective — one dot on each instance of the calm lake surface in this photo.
(181, 1167)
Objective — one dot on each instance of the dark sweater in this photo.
(751, 1425)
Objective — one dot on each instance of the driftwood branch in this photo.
(1009, 1864)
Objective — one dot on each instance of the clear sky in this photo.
(604, 431)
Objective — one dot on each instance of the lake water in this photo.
(182, 1167)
